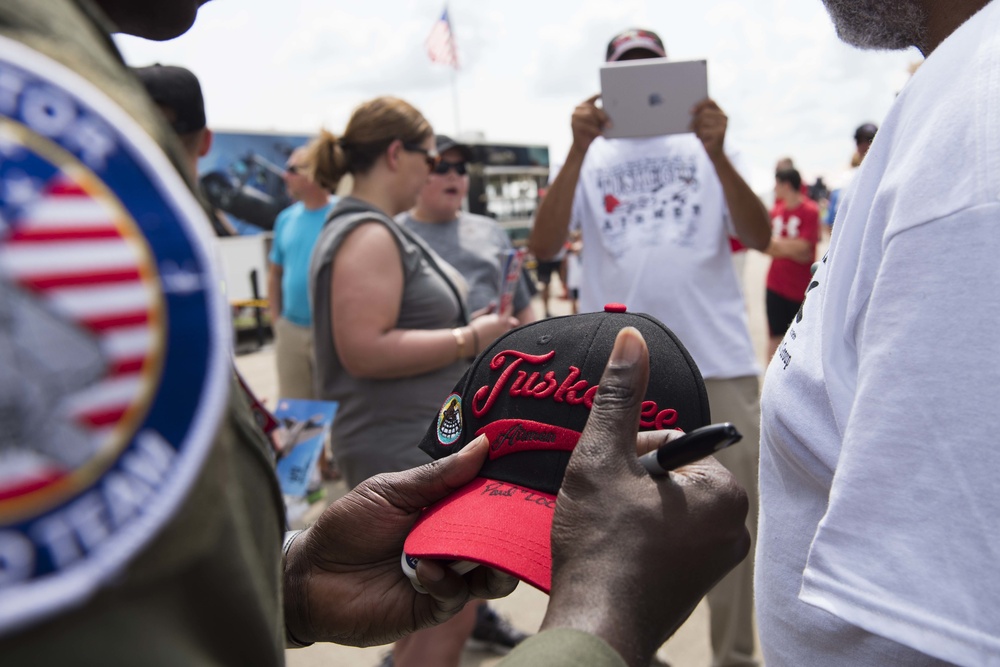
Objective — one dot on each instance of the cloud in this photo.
(569, 52)
(787, 83)
(344, 51)
(791, 87)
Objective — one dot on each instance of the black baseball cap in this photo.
(531, 393)
(865, 133)
(176, 90)
(446, 143)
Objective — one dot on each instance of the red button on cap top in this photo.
(615, 308)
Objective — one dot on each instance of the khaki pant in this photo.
(737, 400)
(293, 353)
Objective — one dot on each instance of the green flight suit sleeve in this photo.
(207, 589)
(562, 647)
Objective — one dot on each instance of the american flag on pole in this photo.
(441, 42)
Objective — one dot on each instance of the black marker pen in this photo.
(689, 448)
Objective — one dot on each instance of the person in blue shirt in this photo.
(295, 232)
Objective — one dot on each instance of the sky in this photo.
(776, 67)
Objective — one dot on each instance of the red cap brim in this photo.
(502, 525)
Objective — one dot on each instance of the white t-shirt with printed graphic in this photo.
(879, 537)
(656, 238)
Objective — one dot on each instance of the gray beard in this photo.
(878, 24)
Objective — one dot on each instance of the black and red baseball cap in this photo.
(531, 393)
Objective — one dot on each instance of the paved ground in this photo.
(526, 606)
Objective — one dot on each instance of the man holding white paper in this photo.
(656, 214)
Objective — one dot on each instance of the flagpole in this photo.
(441, 49)
(454, 73)
(454, 98)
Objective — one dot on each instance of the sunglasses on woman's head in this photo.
(431, 156)
(443, 167)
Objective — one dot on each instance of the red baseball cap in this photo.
(531, 393)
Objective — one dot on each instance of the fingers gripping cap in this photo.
(531, 393)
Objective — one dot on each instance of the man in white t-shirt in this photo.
(879, 540)
(656, 215)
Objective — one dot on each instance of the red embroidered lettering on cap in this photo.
(530, 393)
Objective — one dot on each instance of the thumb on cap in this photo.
(611, 430)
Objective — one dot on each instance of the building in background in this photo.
(241, 176)
(506, 182)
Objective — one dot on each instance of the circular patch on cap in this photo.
(615, 308)
(449, 422)
(113, 338)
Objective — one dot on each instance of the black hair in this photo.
(790, 176)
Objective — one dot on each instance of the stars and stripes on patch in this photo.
(66, 249)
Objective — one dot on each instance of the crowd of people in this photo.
(866, 515)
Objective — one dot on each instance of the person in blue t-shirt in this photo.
(295, 232)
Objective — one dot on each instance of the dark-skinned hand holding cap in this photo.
(632, 555)
(343, 582)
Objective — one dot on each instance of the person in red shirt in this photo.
(794, 234)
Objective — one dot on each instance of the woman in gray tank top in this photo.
(390, 327)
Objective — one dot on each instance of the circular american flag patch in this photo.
(113, 338)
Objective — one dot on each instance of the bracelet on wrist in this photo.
(475, 342)
(286, 544)
(460, 342)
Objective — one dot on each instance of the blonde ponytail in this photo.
(327, 160)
